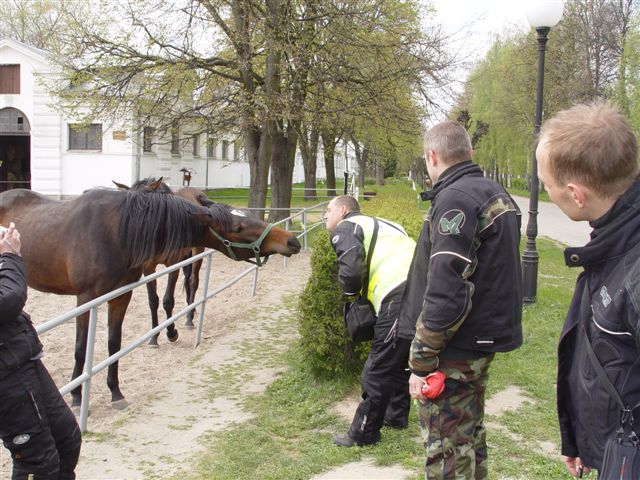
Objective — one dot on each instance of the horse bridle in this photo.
(255, 245)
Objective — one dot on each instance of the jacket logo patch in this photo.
(335, 239)
(451, 222)
(21, 439)
(606, 298)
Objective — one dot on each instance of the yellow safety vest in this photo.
(391, 257)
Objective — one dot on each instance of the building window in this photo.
(225, 150)
(85, 137)
(196, 146)
(147, 138)
(236, 150)
(212, 144)
(10, 79)
(175, 140)
(13, 121)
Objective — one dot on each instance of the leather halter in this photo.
(255, 245)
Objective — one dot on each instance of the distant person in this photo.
(385, 391)
(588, 162)
(464, 290)
(36, 425)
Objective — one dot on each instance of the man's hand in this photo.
(10, 242)
(575, 466)
(415, 387)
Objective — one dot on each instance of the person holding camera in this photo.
(36, 425)
(588, 161)
(385, 393)
(464, 291)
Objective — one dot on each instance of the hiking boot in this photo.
(397, 425)
(343, 440)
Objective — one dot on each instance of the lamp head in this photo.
(544, 13)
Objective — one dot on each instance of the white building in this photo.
(43, 150)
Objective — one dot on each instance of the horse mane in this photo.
(153, 224)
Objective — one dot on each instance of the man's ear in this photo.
(578, 194)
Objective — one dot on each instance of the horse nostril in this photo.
(294, 244)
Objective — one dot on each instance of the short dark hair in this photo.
(593, 144)
(348, 201)
(450, 141)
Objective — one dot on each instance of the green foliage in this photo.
(324, 342)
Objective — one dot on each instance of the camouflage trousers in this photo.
(452, 425)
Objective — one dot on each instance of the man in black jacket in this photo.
(587, 160)
(464, 290)
(385, 393)
(36, 425)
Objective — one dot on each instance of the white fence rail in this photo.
(92, 306)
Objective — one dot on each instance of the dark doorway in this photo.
(15, 150)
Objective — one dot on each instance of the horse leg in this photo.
(82, 330)
(154, 302)
(168, 302)
(117, 309)
(191, 287)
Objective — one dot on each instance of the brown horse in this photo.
(101, 240)
(191, 272)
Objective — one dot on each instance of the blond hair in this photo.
(594, 145)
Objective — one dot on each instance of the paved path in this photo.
(554, 224)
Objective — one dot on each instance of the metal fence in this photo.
(91, 370)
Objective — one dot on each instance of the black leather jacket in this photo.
(611, 261)
(18, 339)
(464, 286)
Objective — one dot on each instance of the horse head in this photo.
(241, 236)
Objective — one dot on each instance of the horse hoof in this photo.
(189, 325)
(174, 337)
(153, 342)
(76, 410)
(119, 404)
(152, 345)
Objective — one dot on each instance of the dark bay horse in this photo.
(240, 221)
(101, 240)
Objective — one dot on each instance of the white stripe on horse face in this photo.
(238, 213)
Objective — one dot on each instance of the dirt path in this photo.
(168, 389)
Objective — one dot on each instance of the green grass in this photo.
(290, 435)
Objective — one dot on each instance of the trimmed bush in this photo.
(324, 341)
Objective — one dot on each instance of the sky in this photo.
(480, 20)
(473, 26)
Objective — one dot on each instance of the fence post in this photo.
(304, 228)
(88, 368)
(255, 281)
(287, 226)
(205, 291)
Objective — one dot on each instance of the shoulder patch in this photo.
(451, 222)
(335, 239)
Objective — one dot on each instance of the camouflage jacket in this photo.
(464, 285)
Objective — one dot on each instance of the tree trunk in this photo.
(257, 149)
(329, 146)
(283, 159)
(309, 149)
(362, 164)
(379, 173)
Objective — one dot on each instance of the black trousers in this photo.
(37, 426)
(384, 378)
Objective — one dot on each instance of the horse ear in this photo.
(121, 186)
(155, 185)
(204, 200)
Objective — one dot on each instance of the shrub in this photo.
(323, 338)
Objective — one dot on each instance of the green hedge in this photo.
(323, 337)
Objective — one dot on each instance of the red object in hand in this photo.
(433, 385)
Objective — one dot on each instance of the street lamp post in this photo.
(542, 15)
